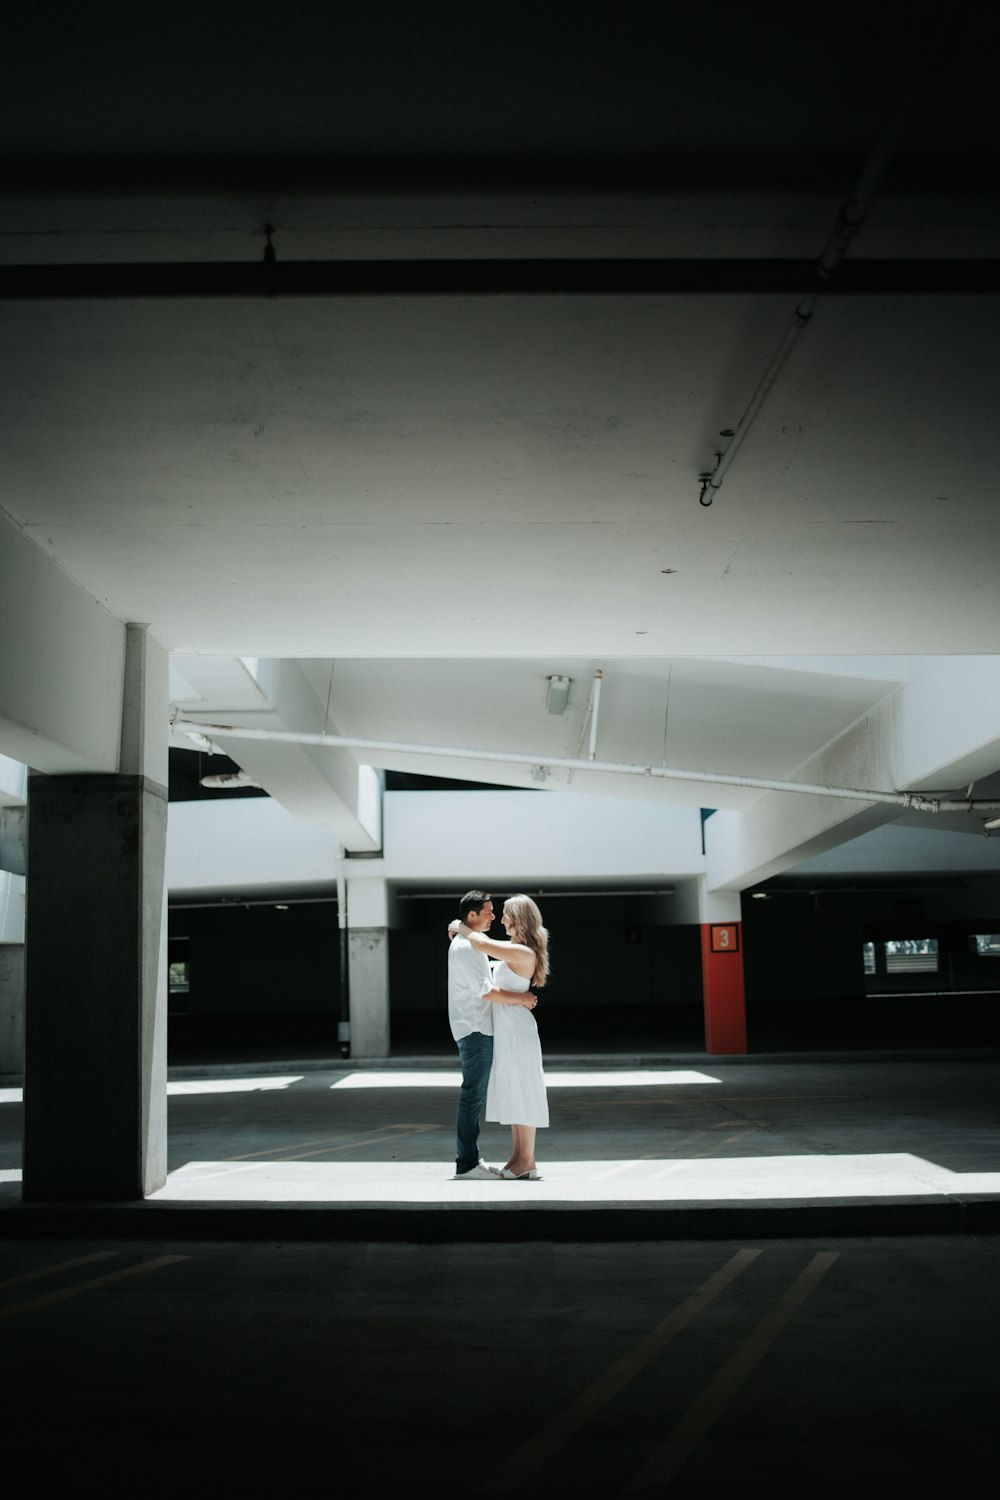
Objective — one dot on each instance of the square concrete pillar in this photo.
(95, 1031)
(11, 1009)
(368, 957)
(368, 966)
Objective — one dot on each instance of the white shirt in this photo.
(468, 980)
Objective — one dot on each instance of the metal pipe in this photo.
(596, 700)
(236, 903)
(915, 801)
(344, 1017)
(642, 890)
(849, 221)
(712, 483)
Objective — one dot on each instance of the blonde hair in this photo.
(526, 920)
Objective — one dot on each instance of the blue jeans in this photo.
(476, 1052)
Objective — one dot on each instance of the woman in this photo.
(516, 1094)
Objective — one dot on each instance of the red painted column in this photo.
(722, 987)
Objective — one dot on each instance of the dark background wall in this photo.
(621, 980)
(618, 979)
(262, 981)
(805, 976)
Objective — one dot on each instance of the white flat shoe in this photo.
(533, 1176)
(478, 1172)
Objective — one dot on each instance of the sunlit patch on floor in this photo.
(604, 1078)
(232, 1085)
(733, 1179)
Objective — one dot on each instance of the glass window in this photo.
(869, 952)
(986, 944)
(911, 956)
(177, 977)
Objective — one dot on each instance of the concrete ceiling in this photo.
(505, 475)
(480, 478)
(740, 718)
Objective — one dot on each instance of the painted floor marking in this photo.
(623, 1166)
(532, 1454)
(687, 1102)
(324, 1143)
(382, 1137)
(657, 1473)
(63, 1265)
(728, 1140)
(91, 1285)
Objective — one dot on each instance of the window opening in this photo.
(911, 956)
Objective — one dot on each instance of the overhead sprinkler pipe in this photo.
(914, 801)
(712, 482)
(849, 221)
(596, 701)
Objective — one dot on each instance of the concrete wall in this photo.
(61, 668)
(245, 845)
(514, 837)
(435, 838)
(11, 1008)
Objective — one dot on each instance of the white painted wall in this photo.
(61, 665)
(11, 908)
(243, 845)
(510, 836)
(897, 849)
(946, 721)
(13, 782)
(504, 838)
(434, 838)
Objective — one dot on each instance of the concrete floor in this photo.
(227, 1337)
(803, 1367)
(638, 1147)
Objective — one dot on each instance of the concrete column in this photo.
(11, 1009)
(95, 1034)
(368, 965)
(722, 984)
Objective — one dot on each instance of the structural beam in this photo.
(551, 276)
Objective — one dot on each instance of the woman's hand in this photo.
(530, 1001)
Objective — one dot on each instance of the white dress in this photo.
(516, 1092)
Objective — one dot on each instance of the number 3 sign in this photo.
(725, 937)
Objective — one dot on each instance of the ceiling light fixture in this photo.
(558, 695)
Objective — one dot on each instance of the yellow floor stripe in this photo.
(623, 1166)
(324, 1143)
(655, 1475)
(686, 1102)
(728, 1140)
(63, 1265)
(532, 1454)
(89, 1286)
(387, 1134)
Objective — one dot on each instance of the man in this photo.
(471, 1019)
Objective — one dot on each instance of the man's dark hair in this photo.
(473, 901)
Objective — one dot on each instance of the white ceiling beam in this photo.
(324, 786)
(940, 731)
